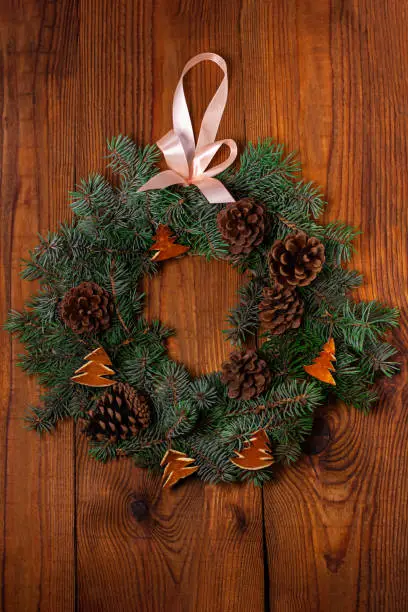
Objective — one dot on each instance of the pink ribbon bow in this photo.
(187, 162)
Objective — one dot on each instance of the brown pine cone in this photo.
(246, 375)
(242, 225)
(280, 309)
(120, 413)
(296, 260)
(87, 308)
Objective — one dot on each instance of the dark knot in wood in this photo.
(139, 509)
(240, 517)
(319, 438)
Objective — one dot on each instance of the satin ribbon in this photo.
(188, 162)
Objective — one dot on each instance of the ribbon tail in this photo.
(213, 190)
(162, 180)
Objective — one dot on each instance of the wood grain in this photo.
(37, 478)
(345, 506)
(326, 78)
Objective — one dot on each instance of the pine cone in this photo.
(242, 225)
(280, 309)
(296, 260)
(246, 375)
(87, 308)
(120, 413)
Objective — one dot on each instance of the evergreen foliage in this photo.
(108, 242)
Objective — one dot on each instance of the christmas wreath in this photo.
(103, 363)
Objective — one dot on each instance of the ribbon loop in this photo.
(174, 154)
(204, 156)
(187, 162)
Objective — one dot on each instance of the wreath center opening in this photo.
(193, 296)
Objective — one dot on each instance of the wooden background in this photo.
(328, 78)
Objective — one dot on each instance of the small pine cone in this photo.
(280, 309)
(120, 413)
(87, 308)
(246, 375)
(296, 260)
(242, 225)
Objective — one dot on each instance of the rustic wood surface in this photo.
(326, 78)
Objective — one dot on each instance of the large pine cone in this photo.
(242, 225)
(87, 308)
(120, 413)
(296, 260)
(246, 375)
(280, 309)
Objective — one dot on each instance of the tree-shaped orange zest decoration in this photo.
(256, 454)
(178, 466)
(92, 373)
(165, 245)
(322, 365)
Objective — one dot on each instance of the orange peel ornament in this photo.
(256, 454)
(165, 245)
(177, 466)
(322, 366)
(93, 372)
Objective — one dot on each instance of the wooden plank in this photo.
(37, 136)
(195, 548)
(187, 549)
(335, 525)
